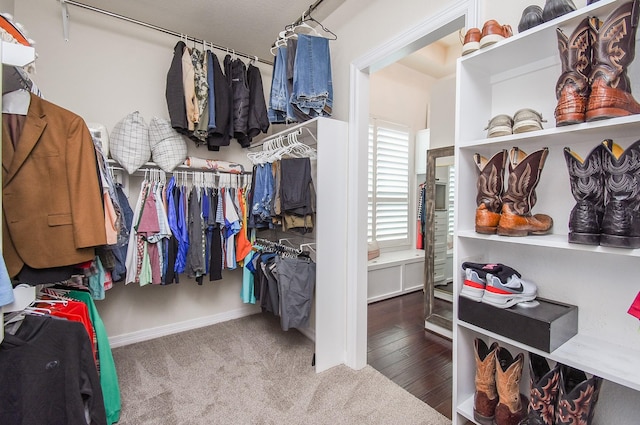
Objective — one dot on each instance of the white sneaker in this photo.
(473, 285)
(514, 291)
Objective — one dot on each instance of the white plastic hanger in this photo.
(16, 102)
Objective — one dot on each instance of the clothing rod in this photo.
(164, 30)
(313, 7)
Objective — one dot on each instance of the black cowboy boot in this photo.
(577, 397)
(621, 221)
(544, 391)
(587, 186)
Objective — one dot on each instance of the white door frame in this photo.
(454, 15)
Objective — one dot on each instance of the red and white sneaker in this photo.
(513, 291)
(473, 286)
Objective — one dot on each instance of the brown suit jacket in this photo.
(52, 207)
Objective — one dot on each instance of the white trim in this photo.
(186, 325)
(439, 330)
(308, 332)
(427, 31)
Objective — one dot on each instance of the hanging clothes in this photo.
(41, 234)
(241, 98)
(219, 135)
(258, 118)
(108, 374)
(174, 92)
(69, 390)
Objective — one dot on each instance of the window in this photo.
(388, 184)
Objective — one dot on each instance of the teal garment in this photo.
(248, 297)
(96, 281)
(108, 374)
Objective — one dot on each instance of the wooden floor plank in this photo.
(400, 349)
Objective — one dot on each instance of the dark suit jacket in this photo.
(52, 206)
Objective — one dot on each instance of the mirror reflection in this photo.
(438, 240)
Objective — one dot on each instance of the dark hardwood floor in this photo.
(400, 349)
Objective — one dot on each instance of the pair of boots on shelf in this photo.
(594, 83)
(558, 396)
(606, 187)
(496, 284)
(508, 212)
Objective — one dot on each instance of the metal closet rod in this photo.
(164, 30)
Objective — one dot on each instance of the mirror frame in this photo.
(438, 324)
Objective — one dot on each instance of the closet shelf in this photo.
(556, 241)
(610, 361)
(113, 163)
(17, 54)
(591, 132)
(509, 55)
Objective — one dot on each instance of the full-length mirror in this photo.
(438, 240)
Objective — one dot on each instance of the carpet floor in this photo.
(248, 371)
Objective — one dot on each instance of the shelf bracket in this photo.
(65, 20)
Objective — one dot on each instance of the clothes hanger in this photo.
(325, 29)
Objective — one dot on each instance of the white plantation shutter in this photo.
(388, 183)
(452, 185)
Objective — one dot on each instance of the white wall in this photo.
(442, 112)
(107, 69)
(400, 94)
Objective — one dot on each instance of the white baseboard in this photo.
(151, 333)
(308, 332)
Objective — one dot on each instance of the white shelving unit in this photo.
(521, 72)
(328, 323)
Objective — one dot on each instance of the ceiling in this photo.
(245, 26)
(251, 27)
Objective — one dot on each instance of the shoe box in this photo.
(545, 326)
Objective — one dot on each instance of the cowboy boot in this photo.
(572, 88)
(587, 186)
(577, 397)
(520, 197)
(490, 187)
(544, 391)
(485, 398)
(621, 220)
(614, 50)
(512, 406)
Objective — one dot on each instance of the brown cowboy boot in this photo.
(572, 88)
(520, 197)
(485, 398)
(577, 397)
(490, 187)
(512, 406)
(614, 50)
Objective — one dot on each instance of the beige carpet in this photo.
(248, 371)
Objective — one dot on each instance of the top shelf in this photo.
(17, 54)
(535, 44)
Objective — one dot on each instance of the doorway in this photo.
(444, 23)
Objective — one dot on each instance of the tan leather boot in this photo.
(512, 406)
(490, 187)
(486, 397)
(520, 197)
(615, 49)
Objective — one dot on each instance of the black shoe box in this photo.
(546, 326)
